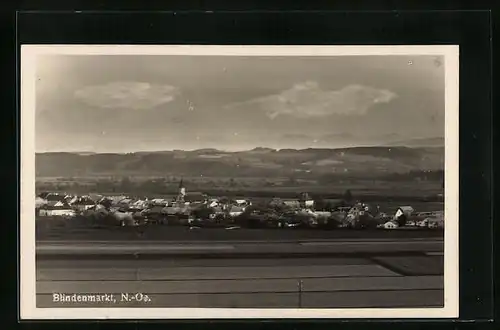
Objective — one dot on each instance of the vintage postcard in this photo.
(209, 182)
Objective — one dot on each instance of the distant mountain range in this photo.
(427, 154)
(423, 142)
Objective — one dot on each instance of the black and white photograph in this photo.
(185, 182)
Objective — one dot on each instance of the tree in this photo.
(401, 220)
(348, 196)
(125, 184)
(106, 203)
(319, 204)
(330, 205)
(202, 212)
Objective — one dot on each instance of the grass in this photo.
(48, 229)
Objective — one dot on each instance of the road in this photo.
(322, 275)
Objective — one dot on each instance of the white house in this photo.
(294, 203)
(309, 203)
(82, 203)
(73, 200)
(436, 223)
(159, 201)
(40, 202)
(235, 211)
(390, 225)
(140, 204)
(213, 204)
(322, 213)
(423, 223)
(59, 209)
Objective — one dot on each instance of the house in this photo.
(391, 225)
(157, 213)
(58, 209)
(194, 197)
(216, 211)
(322, 214)
(116, 199)
(213, 203)
(69, 198)
(308, 203)
(235, 210)
(44, 195)
(82, 203)
(95, 197)
(295, 203)
(407, 211)
(126, 201)
(139, 204)
(424, 214)
(39, 202)
(55, 197)
(435, 223)
(159, 201)
(422, 223)
(438, 214)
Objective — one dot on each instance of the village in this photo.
(197, 210)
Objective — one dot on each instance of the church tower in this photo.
(182, 192)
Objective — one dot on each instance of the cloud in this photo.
(126, 94)
(308, 99)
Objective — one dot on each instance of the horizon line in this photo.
(233, 151)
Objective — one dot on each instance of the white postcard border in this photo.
(28, 309)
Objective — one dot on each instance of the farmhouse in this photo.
(40, 201)
(308, 203)
(436, 223)
(54, 197)
(305, 200)
(235, 211)
(159, 201)
(82, 203)
(213, 203)
(407, 211)
(195, 197)
(139, 204)
(58, 209)
(391, 225)
(291, 203)
(216, 211)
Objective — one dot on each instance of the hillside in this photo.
(259, 162)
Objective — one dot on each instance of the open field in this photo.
(314, 282)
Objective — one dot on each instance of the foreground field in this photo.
(329, 282)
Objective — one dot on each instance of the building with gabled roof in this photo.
(407, 211)
(56, 209)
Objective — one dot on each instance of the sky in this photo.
(128, 103)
